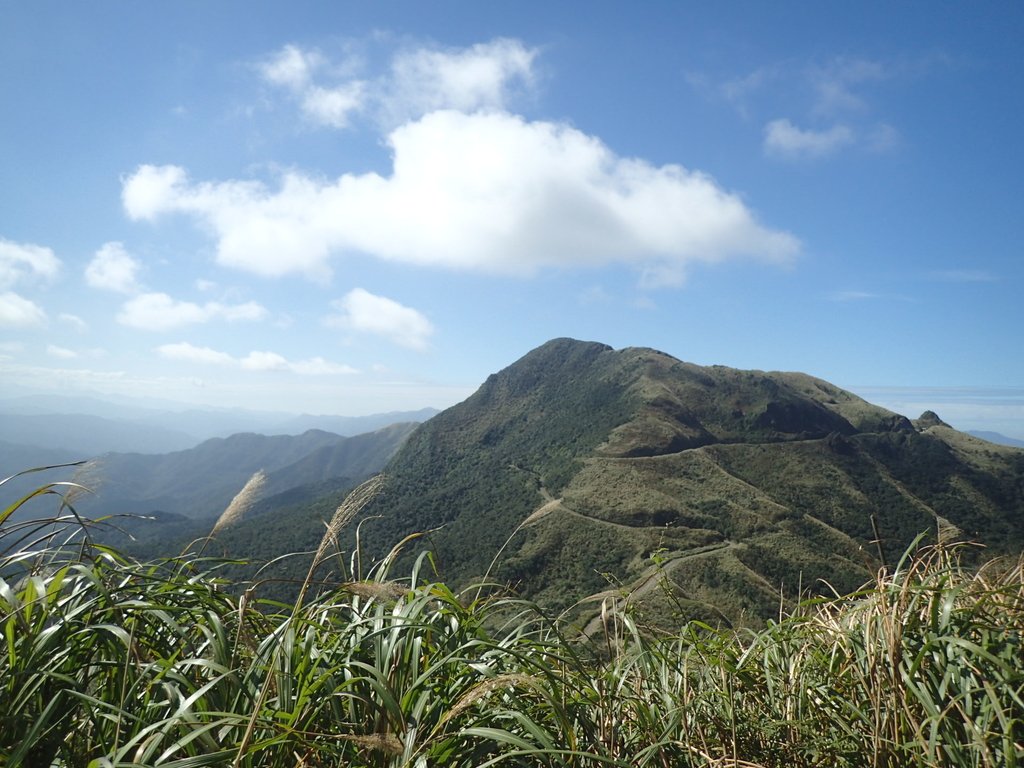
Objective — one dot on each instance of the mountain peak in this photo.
(929, 419)
(560, 353)
(702, 491)
(578, 460)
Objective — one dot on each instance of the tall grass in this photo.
(109, 662)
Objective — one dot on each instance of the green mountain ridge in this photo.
(199, 483)
(91, 426)
(585, 472)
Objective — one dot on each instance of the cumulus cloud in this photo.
(487, 192)
(255, 361)
(482, 77)
(19, 312)
(364, 312)
(293, 68)
(62, 353)
(471, 186)
(159, 312)
(420, 80)
(189, 353)
(318, 366)
(113, 269)
(151, 189)
(333, 107)
(21, 261)
(781, 137)
(264, 361)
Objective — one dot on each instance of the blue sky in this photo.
(354, 207)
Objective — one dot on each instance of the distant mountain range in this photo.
(86, 427)
(182, 493)
(200, 482)
(996, 437)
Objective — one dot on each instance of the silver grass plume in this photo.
(242, 502)
(349, 508)
(86, 479)
(377, 590)
(387, 743)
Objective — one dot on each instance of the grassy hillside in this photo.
(592, 470)
(581, 473)
(113, 662)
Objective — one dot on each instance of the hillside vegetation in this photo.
(581, 473)
(593, 471)
(600, 558)
(218, 468)
(112, 662)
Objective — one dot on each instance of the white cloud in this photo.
(364, 312)
(333, 107)
(249, 311)
(62, 353)
(255, 361)
(20, 261)
(292, 67)
(317, 366)
(781, 137)
(113, 269)
(159, 312)
(19, 312)
(420, 80)
(74, 321)
(486, 192)
(471, 187)
(263, 233)
(152, 190)
(189, 353)
(468, 79)
(264, 361)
